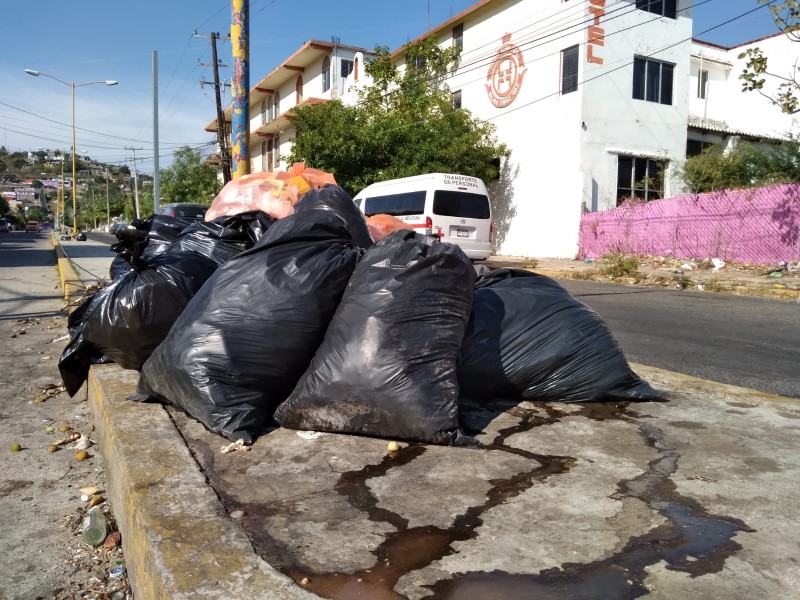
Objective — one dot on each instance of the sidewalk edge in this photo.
(179, 542)
(71, 282)
(654, 375)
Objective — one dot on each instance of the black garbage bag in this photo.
(245, 339)
(126, 321)
(332, 197)
(528, 338)
(387, 367)
(144, 238)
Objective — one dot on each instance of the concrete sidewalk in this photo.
(693, 497)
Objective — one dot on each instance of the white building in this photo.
(598, 100)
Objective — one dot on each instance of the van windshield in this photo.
(409, 203)
(460, 204)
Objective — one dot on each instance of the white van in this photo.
(454, 208)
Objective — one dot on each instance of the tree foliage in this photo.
(404, 124)
(756, 74)
(189, 179)
(744, 166)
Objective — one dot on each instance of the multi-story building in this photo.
(315, 73)
(598, 100)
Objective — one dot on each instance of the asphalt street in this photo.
(744, 341)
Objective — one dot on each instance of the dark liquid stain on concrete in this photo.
(692, 541)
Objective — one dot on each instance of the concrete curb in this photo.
(71, 282)
(178, 540)
(679, 382)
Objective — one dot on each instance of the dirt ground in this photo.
(45, 490)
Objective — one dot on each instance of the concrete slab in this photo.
(693, 496)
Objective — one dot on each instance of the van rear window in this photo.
(189, 211)
(409, 203)
(460, 204)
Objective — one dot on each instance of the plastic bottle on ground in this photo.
(94, 526)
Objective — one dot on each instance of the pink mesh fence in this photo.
(759, 225)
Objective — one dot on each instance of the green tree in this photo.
(742, 167)
(403, 125)
(3, 166)
(189, 179)
(5, 208)
(756, 74)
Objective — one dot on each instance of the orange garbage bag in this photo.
(382, 225)
(274, 193)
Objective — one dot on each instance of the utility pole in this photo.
(108, 204)
(156, 174)
(135, 181)
(240, 123)
(216, 64)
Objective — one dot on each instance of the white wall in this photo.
(746, 112)
(616, 123)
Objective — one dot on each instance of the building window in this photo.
(346, 67)
(455, 99)
(270, 155)
(652, 80)
(355, 69)
(270, 109)
(326, 74)
(263, 111)
(702, 83)
(696, 147)
(639, 177)
(569, 70)
(277, 98)
(298, 89)
(458, 36)
(665, 8)
(263, 156)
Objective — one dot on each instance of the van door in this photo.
(461, 217)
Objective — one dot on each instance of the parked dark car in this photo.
(5, 226)
(184, 210)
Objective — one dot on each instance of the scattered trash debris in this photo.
(60, 338)
(15, 447)
(81, 455)
(701, 478)
(234, 446)
(775, 274)
(82, 443)
(310, 435)
(393, 446)
(700, 287)
(94, 528)
(687, 267)
(718, 264)
(113, 540)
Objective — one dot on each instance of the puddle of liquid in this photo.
(692, 541)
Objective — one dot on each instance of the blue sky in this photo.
(107, 39)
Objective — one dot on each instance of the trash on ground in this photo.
(528, 338)
(94, 528)
(387, 366)
(234, 446)
(382, 225)
(310, 435)
(15, 447)
(718, 264)
(113, 540)
(81, 455)
(255, 325)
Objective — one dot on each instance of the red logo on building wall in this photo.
(505, 74)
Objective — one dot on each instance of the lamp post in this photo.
(72, 85)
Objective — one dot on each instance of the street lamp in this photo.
(72, 85)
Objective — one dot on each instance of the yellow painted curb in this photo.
(68, 276)
(654, 376)
(178, 539)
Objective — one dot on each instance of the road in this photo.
(41, 553)
(743, 341)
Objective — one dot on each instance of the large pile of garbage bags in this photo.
(287, 306)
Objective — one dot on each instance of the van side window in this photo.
(460, 204)
(409, 203)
